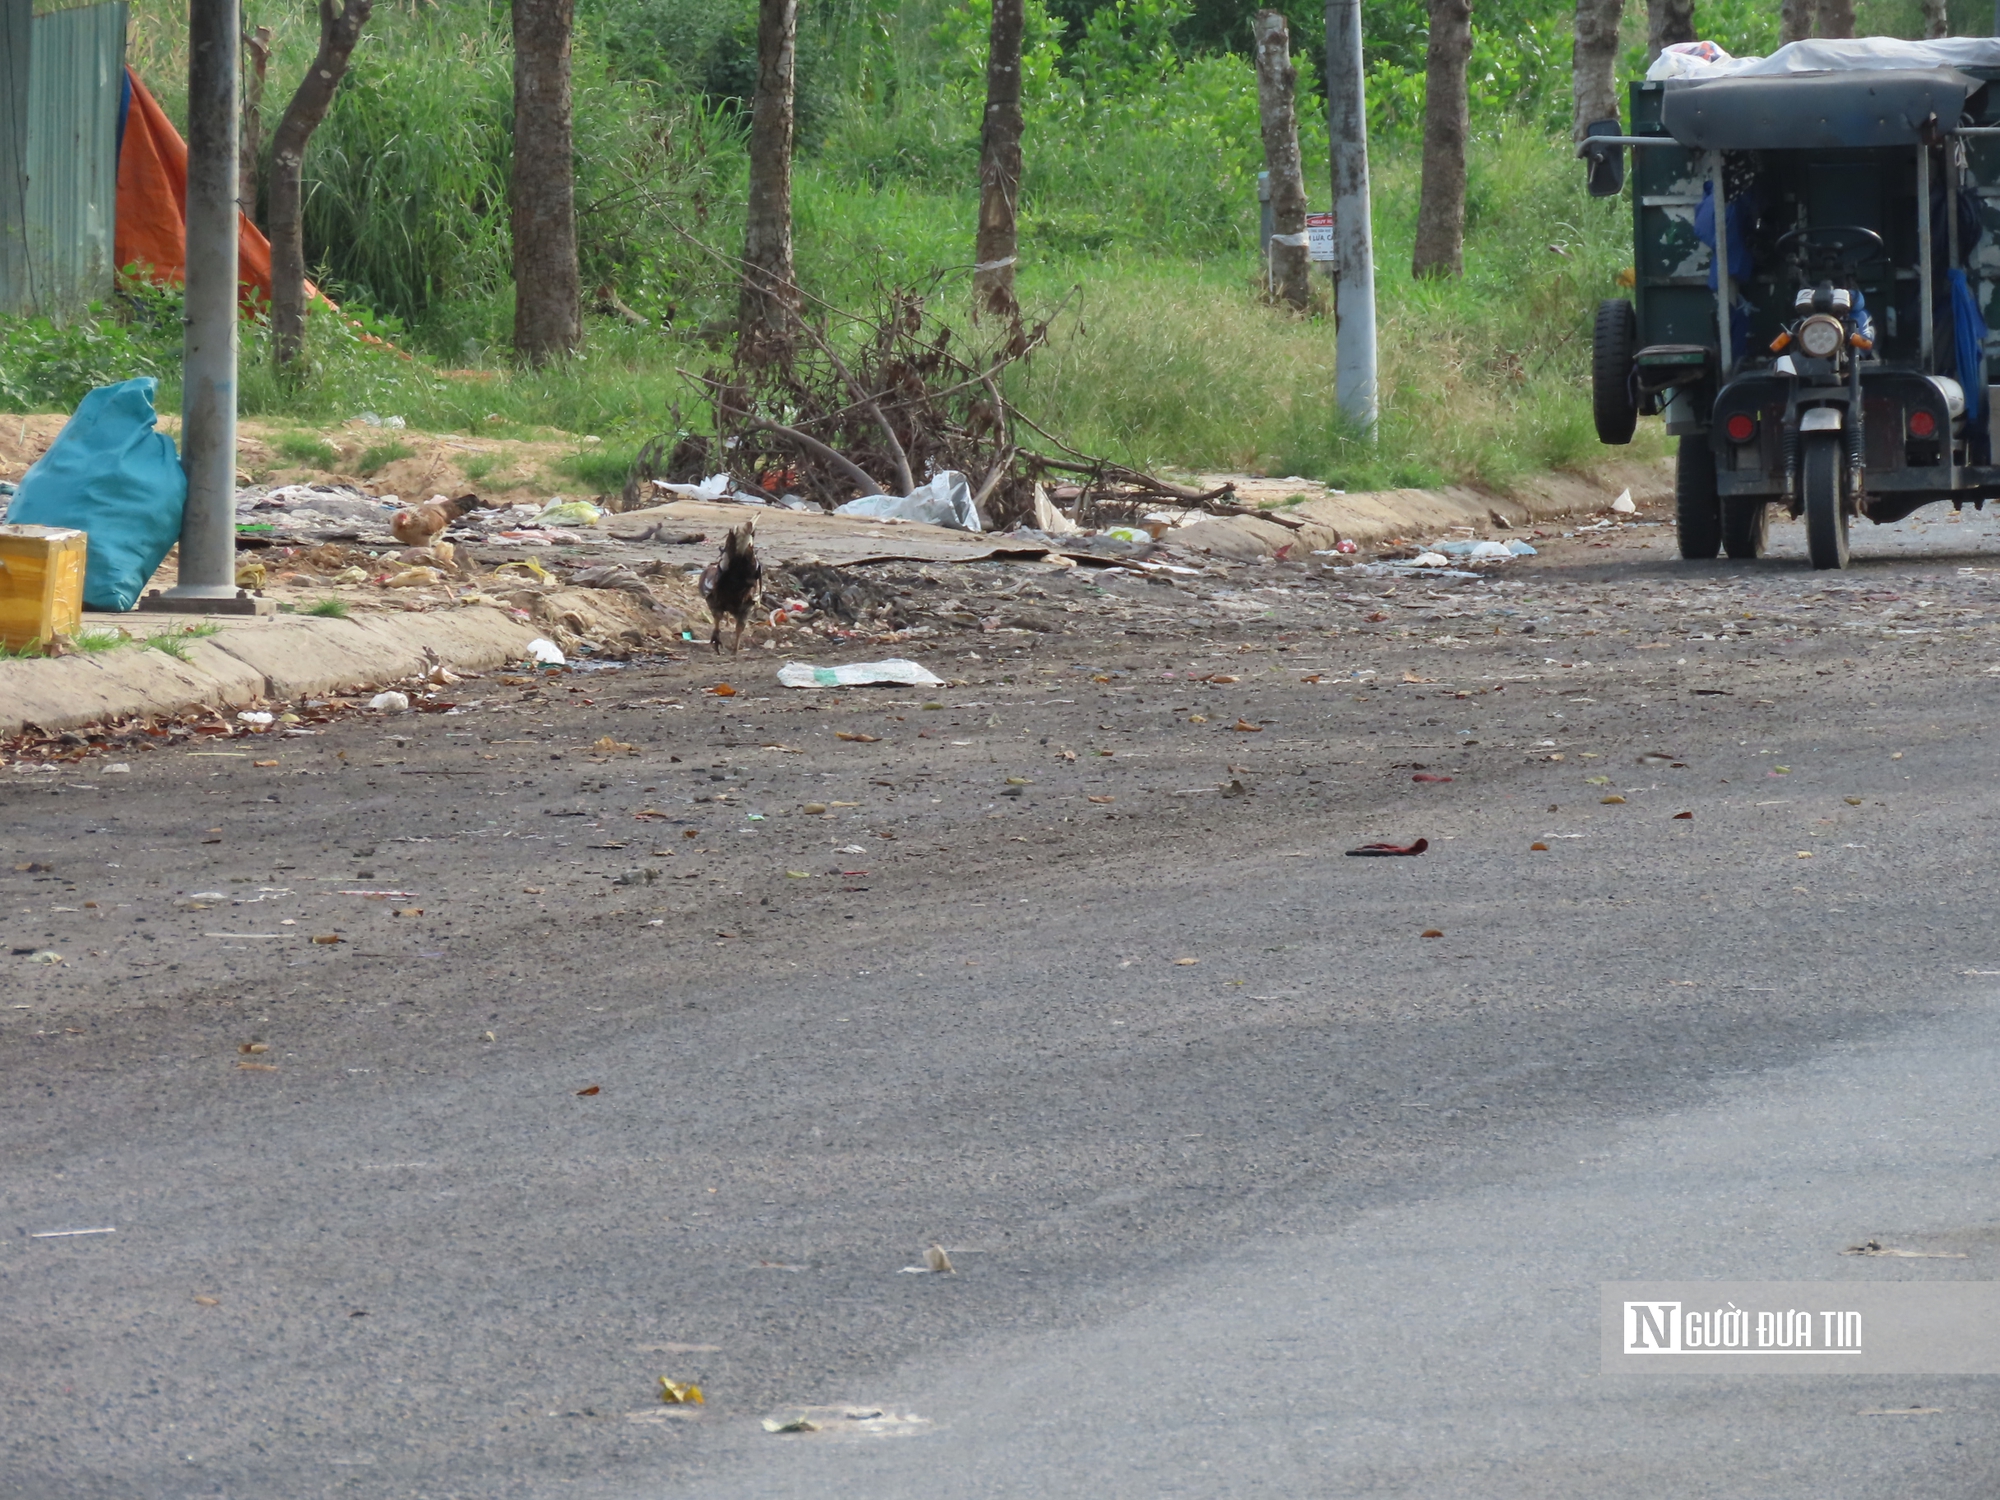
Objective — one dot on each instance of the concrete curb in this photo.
(276, 656)
(1419, 515)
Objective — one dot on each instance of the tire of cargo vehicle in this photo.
(1824, 456)
(1613, 342)
(1697, 508)
(1746, 526)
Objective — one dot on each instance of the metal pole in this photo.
(1924, 269)
(1722, 287)
(1354, 276)
(208, 349)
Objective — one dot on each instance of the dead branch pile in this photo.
(860, 404)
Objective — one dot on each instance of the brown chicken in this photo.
(416, 526)
(731, 584)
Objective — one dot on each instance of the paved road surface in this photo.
(1322, 1210)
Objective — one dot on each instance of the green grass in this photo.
(308, 449)
(171, 645)
(379, 456)
(602, 467)
(99, 639)
(327, 609)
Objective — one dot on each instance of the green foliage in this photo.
(327, 609)
(601, 466)
(171, 645)
(47, 364)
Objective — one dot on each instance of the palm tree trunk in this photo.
(1440, 241)
(1289, 267)
(338, 33)
(1594, 81)
(770, 298)
(1668, 22)
(1000, 168)
(548, 294)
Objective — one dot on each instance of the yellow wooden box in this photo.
(41, 583)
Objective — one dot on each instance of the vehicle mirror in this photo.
(1605, 164)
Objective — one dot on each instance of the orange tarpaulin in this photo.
(152, 204)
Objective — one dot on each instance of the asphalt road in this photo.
(1251, 1186)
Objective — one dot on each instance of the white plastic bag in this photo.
(945, 501)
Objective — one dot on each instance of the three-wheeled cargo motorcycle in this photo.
(1811, 273)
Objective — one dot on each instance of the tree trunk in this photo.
(338, 33)
(770, 300)
(250, 140)
(1289, 267)
(1668, 22)
(1795, 20)
(1937, 25)
(548, 294)
(1836, 19)
(1447, 122)
(1594, 79)
(1000, 168)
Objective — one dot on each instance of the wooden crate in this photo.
(41, 583)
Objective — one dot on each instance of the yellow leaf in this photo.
(674, 1394)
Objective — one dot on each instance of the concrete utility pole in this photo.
(1354, 296)
(208, 350)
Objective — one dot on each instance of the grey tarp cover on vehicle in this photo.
(1814, 111)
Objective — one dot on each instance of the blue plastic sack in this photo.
(110, 474)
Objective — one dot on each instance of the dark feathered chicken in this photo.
(730, 585)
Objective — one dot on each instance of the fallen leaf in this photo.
(1103, 799)
(608, 746)
(1310, 677)
(797, 1424)
(263, 762)
(936, 1259)
(1805, 854)
(721, 690)
(1611, 801)
(328, 938)
(258, 1067)
(1244, 726)
(1385, 849)
(1597, 781)
(1431, 932)
(418, 911)
(1222, 677)
(814, 808)
(674, 1394)
(1184, 962)
(208, 1301)
(1851, 801)
(1876, 1247)
(798, 874)
(688, 833)
(1425, 776)
(254, 1048)
(1192, 719)
(1375, 619)
(595, 1088)
(862, 739)
(531, 890)
(1538, 844)
(1413, 677)
(1683, 815)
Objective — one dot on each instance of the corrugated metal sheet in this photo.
(76, 68)
(14, 24)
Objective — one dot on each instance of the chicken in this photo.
(416, 526)
(730, 585)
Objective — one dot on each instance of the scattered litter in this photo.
(568, 513)
(1386, 849)
(1876, 1247)
(935, 1259)
(861, 739)
(390, 703)
(595, 1088)
(46, 956)
(834, 1422)
(1426, 776)
(945, 501)
(672, 1393)
(255, 717)
(1623, 504)
(65, 1234)
(895, 671)
(1431, 932)
(1430, 560)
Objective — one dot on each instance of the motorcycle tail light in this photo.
(1741, 428)
(1922, 424)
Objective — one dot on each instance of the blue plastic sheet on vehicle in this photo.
(110, 474)
(1968, 331)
